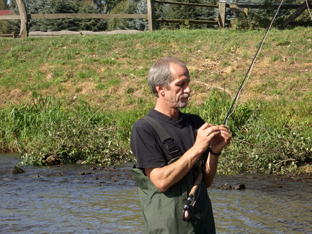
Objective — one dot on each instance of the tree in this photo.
(4, 5)
(64, 6)
(4, 24)
(141, 8)
(109, 5)
(129, 7)
(190, 12)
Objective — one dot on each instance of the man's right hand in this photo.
(204, 136)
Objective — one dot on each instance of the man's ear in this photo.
(160, 90)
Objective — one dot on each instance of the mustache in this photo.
(185, 95)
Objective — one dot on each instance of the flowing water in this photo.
(88, 199)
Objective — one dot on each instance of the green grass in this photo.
(51, 87)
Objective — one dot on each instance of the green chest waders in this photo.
(163, 212)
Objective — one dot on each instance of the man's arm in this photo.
(163, 178)
(216, 145)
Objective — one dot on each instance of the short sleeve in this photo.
(146, 146)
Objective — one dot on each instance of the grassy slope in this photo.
(110, 70)
(113, 68)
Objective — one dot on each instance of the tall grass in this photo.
(77, 97)
(264, 139)
(46, 127)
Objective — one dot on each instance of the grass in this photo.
(49, 87)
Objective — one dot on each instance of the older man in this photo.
(165, 176)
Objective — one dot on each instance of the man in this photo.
(165, 179)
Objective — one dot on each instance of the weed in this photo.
(275, 58)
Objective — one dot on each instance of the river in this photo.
(90, 199)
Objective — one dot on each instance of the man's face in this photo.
(178, 91)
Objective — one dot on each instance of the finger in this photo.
(213, 132)
(205, 126)
(224, 132)
(226, 137)
(223, 127)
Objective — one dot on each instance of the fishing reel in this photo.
(187, 209)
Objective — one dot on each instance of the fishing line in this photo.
(234, 103)
(309, 9)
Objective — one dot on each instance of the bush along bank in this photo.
(266, 136)
(46, 130)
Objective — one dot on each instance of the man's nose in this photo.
(187, 89)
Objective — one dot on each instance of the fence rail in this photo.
(287, 6)
(76, 16)
(150, 16)
(210, 22)
(13, 35)
(186, 4)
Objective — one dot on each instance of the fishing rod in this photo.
(308, 9)
(231, 110)
(187, 209)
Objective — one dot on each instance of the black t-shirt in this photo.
(147, 146)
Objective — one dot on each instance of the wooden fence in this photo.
(221, 20)
(13, 35)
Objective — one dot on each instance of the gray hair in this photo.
(159, 73)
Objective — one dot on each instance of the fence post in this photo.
(246, 11)
(298, 12)
(222, 10)
(151, 15)
(24, 19)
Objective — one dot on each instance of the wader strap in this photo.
(164, 137)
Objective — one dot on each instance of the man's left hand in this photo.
(218, 142)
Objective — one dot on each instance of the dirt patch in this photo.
(12, 96)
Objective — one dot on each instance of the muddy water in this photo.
(88, 199)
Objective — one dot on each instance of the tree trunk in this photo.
(24, 19)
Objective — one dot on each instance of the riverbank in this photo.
(76, 97)
(122, 173)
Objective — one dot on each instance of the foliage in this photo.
(261, 18)
(45, 127)
(189, 12)
(263, 145)
(64, 6)
(108, 5)
(123, 7)
(261, 142)
(128, 7)
(257, 18)
(5, 26)
(51, 87)
(74, 140)
(78, 6)
(3, 5)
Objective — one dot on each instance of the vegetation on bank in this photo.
(257, 18)
(76, 97)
